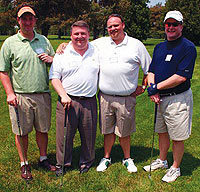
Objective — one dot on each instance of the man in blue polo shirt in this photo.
(169, 86)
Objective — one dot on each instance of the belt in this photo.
(115, 95)
(171, 94)
(76, 97)
(168, 94)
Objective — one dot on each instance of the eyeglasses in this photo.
(172, 24)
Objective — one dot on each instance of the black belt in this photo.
(76, 97)
(171, 94)
(115, 95)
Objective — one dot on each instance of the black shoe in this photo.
(84, 170)
(46, 165)
(60, 171)
(26, 173)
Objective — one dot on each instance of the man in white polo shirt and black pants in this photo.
(74, 76)
(120, 59)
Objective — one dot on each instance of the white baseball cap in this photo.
(174, 15)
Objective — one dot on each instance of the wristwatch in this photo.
(143, 87)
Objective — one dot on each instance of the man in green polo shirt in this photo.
(24, 75)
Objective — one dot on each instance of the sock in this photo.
(22, 163)
(107, 158)
(42, 158)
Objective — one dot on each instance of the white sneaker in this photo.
(171, 174)
(130, 165)
(103, 165)
(156, 164)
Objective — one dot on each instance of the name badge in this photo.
(39, 51)
(168, 58)
(113, 59)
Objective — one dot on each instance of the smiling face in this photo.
(173, 29)
(80, 37)
(26, 22)
(115, 29)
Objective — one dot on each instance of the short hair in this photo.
(116, 15)
(80, 23)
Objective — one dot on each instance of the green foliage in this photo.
(156, 19)
(191, 14)
(137, 19)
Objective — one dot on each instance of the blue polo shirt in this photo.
(174, 57)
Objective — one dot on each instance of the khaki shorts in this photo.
(117, 114)
(34, 110)
(175, 116)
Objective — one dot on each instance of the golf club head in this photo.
(149, 177)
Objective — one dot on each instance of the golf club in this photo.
(155, 115)
(64, 144)
(20, 139)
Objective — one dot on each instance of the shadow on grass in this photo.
(140, 154)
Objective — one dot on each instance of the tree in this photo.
(134, 12)
(156, 20)
(136, 16)
(7, 21)
(191, 14)
(51, 12)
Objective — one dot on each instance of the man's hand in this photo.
(152, 90)
(12, 100)
(155, 98)
(45, 58)
(139, 90)
(66, 102)
(61, 48)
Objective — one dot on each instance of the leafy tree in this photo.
(136, 16)
(156, 20)
(7, 21)
(51, 12)
(96, 17)
(191, 14)
(134, 12)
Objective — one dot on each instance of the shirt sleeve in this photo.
(5, 57)
(144, 58)
(56, 69)
(187, 61)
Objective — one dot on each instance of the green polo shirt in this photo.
(18, 56)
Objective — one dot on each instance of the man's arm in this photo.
(65, 99)
(171, 82)
(151, 80)
(140, 89)
(11, 97)
(61, 48)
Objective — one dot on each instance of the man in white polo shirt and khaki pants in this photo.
(120, 59)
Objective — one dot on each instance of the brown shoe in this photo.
(26, 172)
(46, 165)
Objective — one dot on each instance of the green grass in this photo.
(116, 178)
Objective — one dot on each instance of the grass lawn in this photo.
(116, 178)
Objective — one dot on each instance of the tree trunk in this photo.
(45, 29)
(95, 32)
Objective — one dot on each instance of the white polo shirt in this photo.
(119, 64)
(78, 74)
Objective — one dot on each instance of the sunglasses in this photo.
(172, 24)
